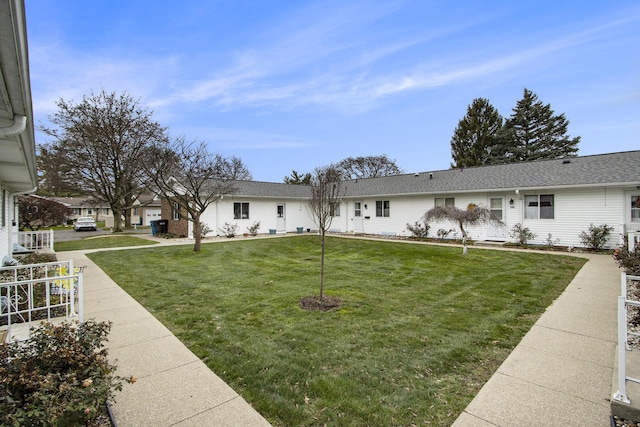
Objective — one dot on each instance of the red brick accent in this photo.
(178, 227)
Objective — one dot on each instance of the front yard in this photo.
(420, 330)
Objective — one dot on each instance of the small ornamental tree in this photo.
(473, 215)
(37, 212)
(326, 193)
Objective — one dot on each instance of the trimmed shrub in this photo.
(521, 234)
(419, 230)
(58, 377)
(596, 237)
(628, 260)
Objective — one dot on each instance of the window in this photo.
(538, 206)
(382, 208)
(635, 208)
(241, 211)
(445, 201)
(334, 209)
(175, 211)
(357, 209)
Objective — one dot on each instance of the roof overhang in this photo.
(18, 172)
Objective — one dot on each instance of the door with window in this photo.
(497, 231)
(281, 217)
(358, 225)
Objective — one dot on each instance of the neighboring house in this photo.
(17, 142)
(82, 206)
(559, 197)
(148, 208)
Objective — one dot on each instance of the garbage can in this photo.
(162, 226)
(154, 228)
(299, 230)
(272, 231)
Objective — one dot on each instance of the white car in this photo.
(85, 223)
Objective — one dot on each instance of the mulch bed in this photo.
(326, 303)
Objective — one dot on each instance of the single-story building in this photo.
(555, 199)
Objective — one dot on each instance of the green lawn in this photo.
(420, 331)
(118, 241)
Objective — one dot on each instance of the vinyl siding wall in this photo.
(5, 244)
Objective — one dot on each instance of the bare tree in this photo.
(473, 215)
(326, 195)
(237, 170)
(367, 167)
(186, 173)
(102, 140)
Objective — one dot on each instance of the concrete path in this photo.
(173, 387)
(559, 375)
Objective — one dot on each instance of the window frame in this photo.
(239, 211)
(175, 211)
(539, 206)
(334, 209)
(635, 208)
(383, 209)
(444, 201)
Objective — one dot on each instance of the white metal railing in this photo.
(623, 339)
(35, 240)
(37, 292)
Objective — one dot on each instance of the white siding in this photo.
(5, 244)
(575, 210)
(260, 209)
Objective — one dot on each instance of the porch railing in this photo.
(624, 335)
(33, 293)
(35, 240)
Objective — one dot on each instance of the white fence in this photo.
(32, 293)
(624, 335)
(35, 240)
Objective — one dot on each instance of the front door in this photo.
(281, 217)
(358, 226)
(497, 231)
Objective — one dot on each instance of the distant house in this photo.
(553, 198)
(82, 206)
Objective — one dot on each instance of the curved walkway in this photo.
(559, 374)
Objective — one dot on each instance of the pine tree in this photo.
(533, 132)
(475, 134)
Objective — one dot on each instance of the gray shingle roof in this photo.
(597, 170)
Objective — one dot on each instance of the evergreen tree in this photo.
(533, 132)
(475, 135)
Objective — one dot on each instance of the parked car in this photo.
(85, 223)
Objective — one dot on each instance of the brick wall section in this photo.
(178, 227)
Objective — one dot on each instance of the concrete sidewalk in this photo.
(559, 374)
(173, 387)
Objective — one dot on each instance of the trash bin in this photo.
(272, 231)
(299, 230)
(154, 228)
(162, 226)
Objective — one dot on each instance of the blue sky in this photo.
(299, 84)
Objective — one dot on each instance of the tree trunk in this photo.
(117, 219)
(127, 218)
(322, 264)
(197, 234)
